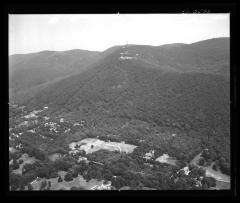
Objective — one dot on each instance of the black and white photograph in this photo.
(119, 101)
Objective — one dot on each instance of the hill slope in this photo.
(174, 99)
(145, 88)
(29, 70)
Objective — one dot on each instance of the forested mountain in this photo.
(29, 70)
(183, 88)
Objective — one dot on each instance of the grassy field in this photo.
(76, 182)
(165, 158)
(86, 145)
(54, 156)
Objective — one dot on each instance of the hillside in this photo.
(144, 89)
(29, 70)
(172, 99)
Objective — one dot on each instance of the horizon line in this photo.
(115, 46)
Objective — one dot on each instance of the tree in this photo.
(53, 174)
(60, 179)
(64, 163)
(43, 172)
(30, 187)
(214, 167)
(133, 184)
(14, 181)
(22, 187)
(15, 165)
(209, 181)
(181, 184)
(201, 172)
(201, 161)
(43, 185)
(49, 185)
(20, 161)
(68, 177)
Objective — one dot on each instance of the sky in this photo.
(98, 32)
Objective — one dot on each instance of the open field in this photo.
(76, 182)
(165, 158)
(86, 145)
(54, 156)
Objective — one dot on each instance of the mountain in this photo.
(173, 99)
(29, 70)
(148, 85)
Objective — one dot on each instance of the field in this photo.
(166, 159)
(54, 156)
(76, 182)
(86, 145)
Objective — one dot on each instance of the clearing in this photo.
(165, 158)
(90, 145)
(76, 182)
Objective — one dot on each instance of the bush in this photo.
(60, 179)
(43, 185)
(38, 154)
(201, 162)
(29, 186)
(214, 167)
(14, 181)
(209, 181)
(64, 163)
(20, 161)
(43, 172)
(49, 185)
(206, 155)
(15, 166)
(68, 177)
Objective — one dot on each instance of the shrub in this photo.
(201, 161)
(15, 166)
(53, 174)
(214, 167)
(68, 177)
(43, 185)
(63, 164)
(20, 161)
(209, 181)
(49, 185)
(14, 181)
(29, 186)
(60, 179)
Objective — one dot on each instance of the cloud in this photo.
(53, 20)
